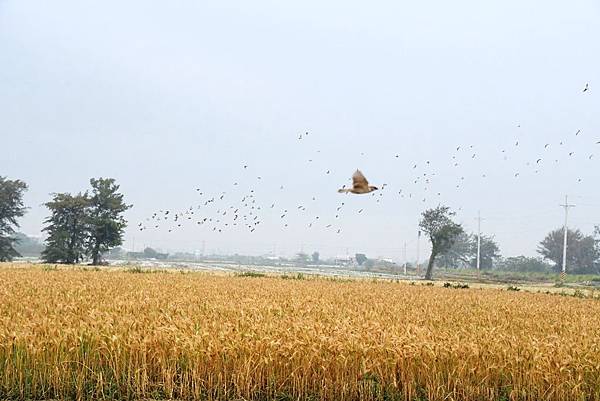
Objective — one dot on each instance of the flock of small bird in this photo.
(226, 211)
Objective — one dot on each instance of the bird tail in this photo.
(343, 191)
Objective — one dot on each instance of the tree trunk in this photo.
(429, 273)
(96, 255)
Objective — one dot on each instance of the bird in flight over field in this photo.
(587, 86)
(360, 185)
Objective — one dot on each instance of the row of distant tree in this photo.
(81, 226)
(453, 248)
(583, 256)
(90, 224)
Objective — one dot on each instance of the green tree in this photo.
(106, 221)
(302, 258)
(463, 252)
(460, 254)
(11, 208)
(28, 246)
(315, 257)
(583, 251)
(369, 264)
(67, 228)
(360, 258)
(524, 264)
(489, 252)
(150, 253)
(442, 231)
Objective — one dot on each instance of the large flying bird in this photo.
(360, 185)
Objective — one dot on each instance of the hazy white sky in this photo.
(167, 97)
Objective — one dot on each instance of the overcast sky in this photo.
(167, 97)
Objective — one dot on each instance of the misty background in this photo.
(170, 97)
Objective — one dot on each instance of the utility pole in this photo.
(405, 258)
(418, 243)
(563, 273)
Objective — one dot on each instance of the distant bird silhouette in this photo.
(360, 185)
(577, 133)
(586, 87)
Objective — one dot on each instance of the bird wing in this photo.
(359, 181)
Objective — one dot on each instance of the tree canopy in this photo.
(11, 208)
(67, 228)
(442, 231)
(360, 258)
(85, 224)
(524, 264)
(583, 251)
(106, 221)
(463, 252)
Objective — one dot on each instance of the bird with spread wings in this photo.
(360, 185)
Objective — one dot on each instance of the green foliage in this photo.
(302, 258)
(85, 225)
(524, 264)
(150, 253)
(360, 258)
(28, 246)
(67, 228)
(583, 254)
(297, 276)
(442, 231)
(106, 221)
(369, 264)
(249, 274)
(11, 208)
(463, 252)
(315, 257)
(456, 286)
(512, 288)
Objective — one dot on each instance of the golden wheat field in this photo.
(118, 335)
